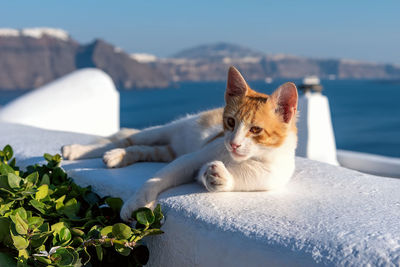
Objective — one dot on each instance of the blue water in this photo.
(365, 114)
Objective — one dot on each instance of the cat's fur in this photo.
(247, 146)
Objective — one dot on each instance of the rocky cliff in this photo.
(32, 57)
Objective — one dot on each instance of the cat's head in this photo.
(254, 123)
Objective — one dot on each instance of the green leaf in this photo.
(121, 249)
(144, 216)
(94, 232)
(107, 231)
(57, 158)
(38, 205)
(39, 238)
(60, 199)
(6, 207)
(76, 241)
(152, 232)
(43, 259)
(62, 237)
(48, 157)
(77, 232)
(45, 179)
(20, 242)
(22, 212)
(99, 252)
(90, 223)
(28, 192)
(75, 255)
(4, 228)
(58, 226)
(8, 192)
(21, 225)
(53, 159)
(63, 257)
(35, 222)
(157, 213)
(91, 198)
(23, 256)
(42, 192)
(8, 152)
(62, 190)
(44, 227)
(24, 253)
(65, 235)
(59, 207)
(4, 182)
(13, 181)
(32, 178)
(71, 208)
(6, 169)
(158, 217)
(121, 231)
(114, 203)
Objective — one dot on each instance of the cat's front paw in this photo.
(216, 177)
(115, 158)
(72, 152)
(134, 203)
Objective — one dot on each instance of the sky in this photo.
(361, 30)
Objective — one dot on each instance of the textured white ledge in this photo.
(327, 215)
(370, 163)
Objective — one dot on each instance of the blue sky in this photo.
(363, 30)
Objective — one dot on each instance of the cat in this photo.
(249, 145)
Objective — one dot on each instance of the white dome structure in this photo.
(85, 101)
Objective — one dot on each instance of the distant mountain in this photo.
(30, 58)
(210, 63)
(217, 51)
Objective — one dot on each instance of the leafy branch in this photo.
(48, 220)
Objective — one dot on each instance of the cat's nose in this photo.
(234, 146)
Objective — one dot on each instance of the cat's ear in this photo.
(236, 85)
(285, 99)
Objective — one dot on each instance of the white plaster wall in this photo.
(326, 215)
(85, 101)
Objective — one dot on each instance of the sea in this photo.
(365, 113)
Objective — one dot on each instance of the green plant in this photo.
(48, 220)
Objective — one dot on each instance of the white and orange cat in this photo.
(247, 146)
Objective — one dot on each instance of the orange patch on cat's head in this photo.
(274, 114)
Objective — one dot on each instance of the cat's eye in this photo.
(231, 122)
(255, 130)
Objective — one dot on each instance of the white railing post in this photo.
(316, 136)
